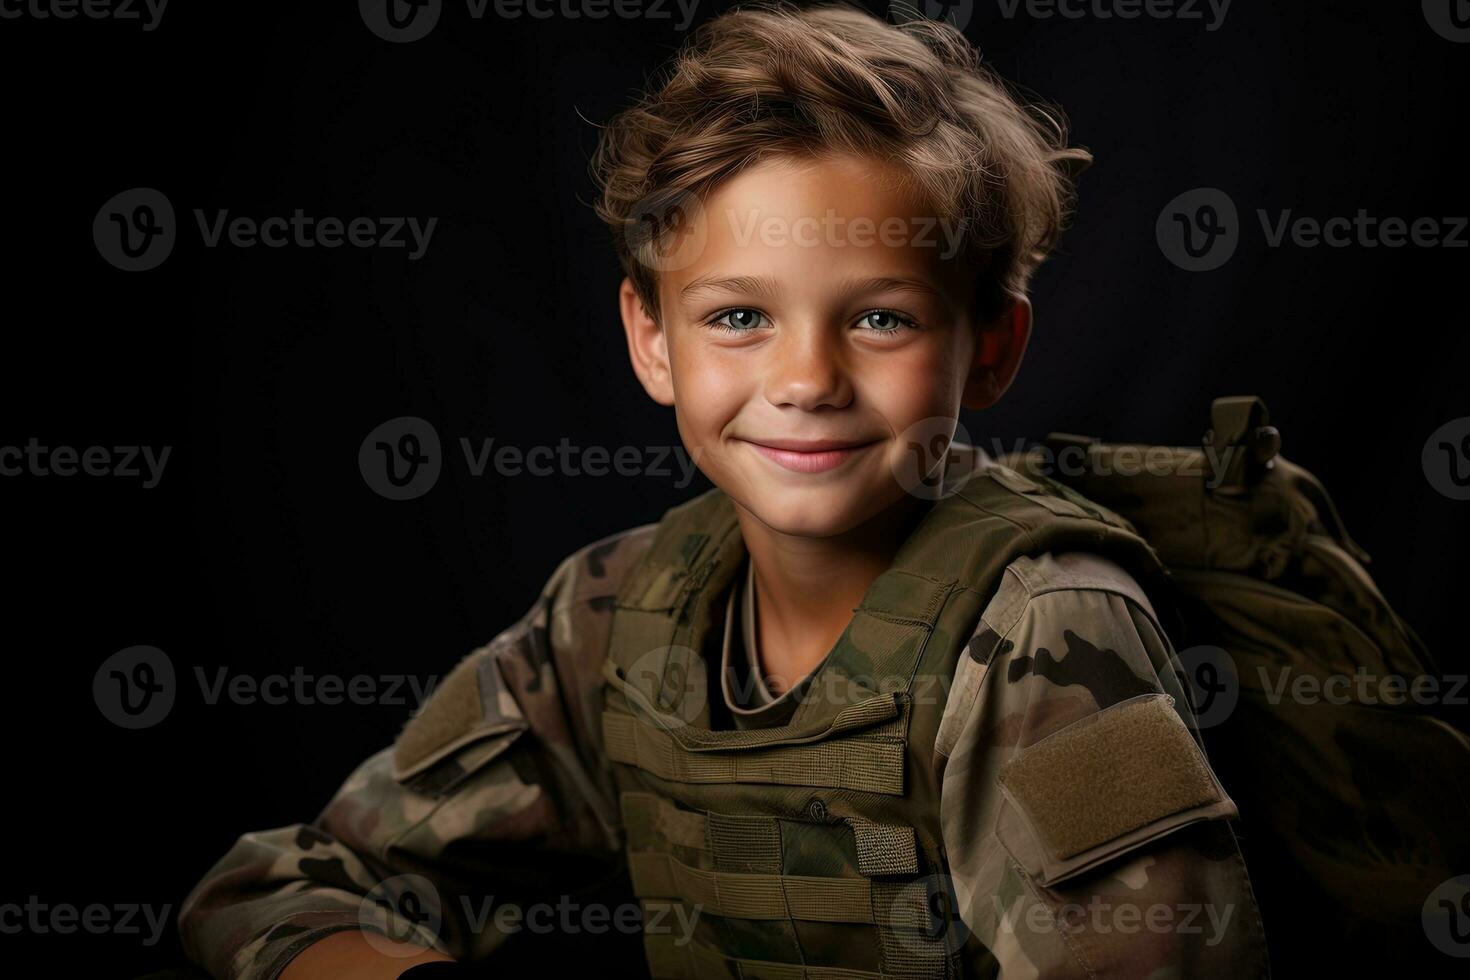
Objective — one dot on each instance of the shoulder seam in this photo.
(1120, 581)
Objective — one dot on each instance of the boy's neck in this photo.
(806, 588)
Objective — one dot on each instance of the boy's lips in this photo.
(809, 455)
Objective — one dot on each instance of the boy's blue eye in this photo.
(738, 320)
(885, 321)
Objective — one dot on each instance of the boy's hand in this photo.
(349, 956)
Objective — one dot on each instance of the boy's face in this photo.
(819, 330)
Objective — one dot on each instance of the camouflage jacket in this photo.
(523, 811)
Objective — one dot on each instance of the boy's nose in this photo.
(805, 370)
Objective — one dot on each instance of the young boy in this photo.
(819, 721)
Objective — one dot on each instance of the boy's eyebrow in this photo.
(735, 284)
(769, 287)
(896, 284)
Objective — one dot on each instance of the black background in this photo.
(262, 549)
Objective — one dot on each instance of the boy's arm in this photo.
(494, 794)
(1084, 827)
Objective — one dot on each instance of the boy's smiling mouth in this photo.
(809, 455)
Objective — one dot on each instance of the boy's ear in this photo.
(648, 349)
(999, 345)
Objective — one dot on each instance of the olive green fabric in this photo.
(1087, 784)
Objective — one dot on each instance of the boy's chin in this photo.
(818, 512)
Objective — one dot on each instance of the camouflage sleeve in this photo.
(1085, 830)
(493, 794)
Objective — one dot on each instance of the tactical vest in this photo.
(813, 849)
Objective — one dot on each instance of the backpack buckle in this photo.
(1239, 426)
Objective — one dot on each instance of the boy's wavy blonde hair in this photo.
(774, 79)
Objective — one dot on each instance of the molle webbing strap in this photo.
(752, 896)
(915, 943)
(685, 828)
(908, 950)
(752, 843)
(884, 849)
(747, 845)
(668, 960)
(849, 763)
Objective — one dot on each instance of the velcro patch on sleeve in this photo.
(1110, 775)
(465, 707)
